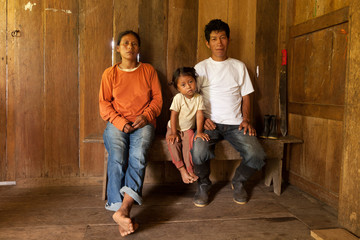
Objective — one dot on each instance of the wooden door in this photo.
(316, 103)
(42, 90)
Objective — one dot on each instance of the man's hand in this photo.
(128, 128)
(140, 122)
(209, 125)
(247, 128)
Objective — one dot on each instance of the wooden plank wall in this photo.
(3, 82)
(56, 65)
(349, 199)
(95, 55)
(43, 102)
(316, 97)
(26, 93)
(65, 72)
(61, 101)
(265, 99)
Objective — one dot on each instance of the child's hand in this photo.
(186, 176)
(203, 136)
(171, 138)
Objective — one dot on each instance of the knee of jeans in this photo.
(255, 159)
(116, 158)
(140, 160)
(200, 152)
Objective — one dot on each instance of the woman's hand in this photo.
(140, 122)
(203, 136)
(128, 128)
(171, 138)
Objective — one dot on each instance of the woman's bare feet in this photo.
(125, 223)
(122, 217)
(124, 233)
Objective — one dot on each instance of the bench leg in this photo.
(104, 196)
(273, 172)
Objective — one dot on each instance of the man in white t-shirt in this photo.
(225, 86)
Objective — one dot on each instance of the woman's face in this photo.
(128, 47)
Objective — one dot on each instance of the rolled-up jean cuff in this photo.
(131, 193)
(113, 206)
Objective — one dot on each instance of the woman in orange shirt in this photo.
(130, 100)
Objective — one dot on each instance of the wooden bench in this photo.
(274, 150)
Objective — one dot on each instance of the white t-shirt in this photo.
(222, 85)
(187, 109)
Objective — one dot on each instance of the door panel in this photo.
(42, 129)
(317, 76)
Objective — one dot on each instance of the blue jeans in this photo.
(126, 163)
(249, 147)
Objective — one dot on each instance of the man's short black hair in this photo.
(216, 25)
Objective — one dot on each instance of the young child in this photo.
(186, 115)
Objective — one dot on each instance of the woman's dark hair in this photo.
(183, 71)
(126, 33)
(216, 25)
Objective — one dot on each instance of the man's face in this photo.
(218, 45)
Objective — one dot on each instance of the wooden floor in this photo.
(167, 213)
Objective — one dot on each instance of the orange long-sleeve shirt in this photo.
(125, 95)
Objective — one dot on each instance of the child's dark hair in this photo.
(183, 71)
(216, 25)
(126, 33)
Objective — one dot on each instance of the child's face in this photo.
(186, 86)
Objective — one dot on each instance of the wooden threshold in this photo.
(332, 234)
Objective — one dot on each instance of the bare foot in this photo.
(185, 176)
(124, 233)
(126, 225)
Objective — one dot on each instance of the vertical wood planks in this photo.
(209, 10)
(349, 202)
(242, 22)
(25, 129)
(3, 86)
(126, 17)
(61, 100)
(316, 102)
(153, 23)
(182, 35)
(266, 85)
(95, 55)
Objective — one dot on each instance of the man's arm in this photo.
(245, 124)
